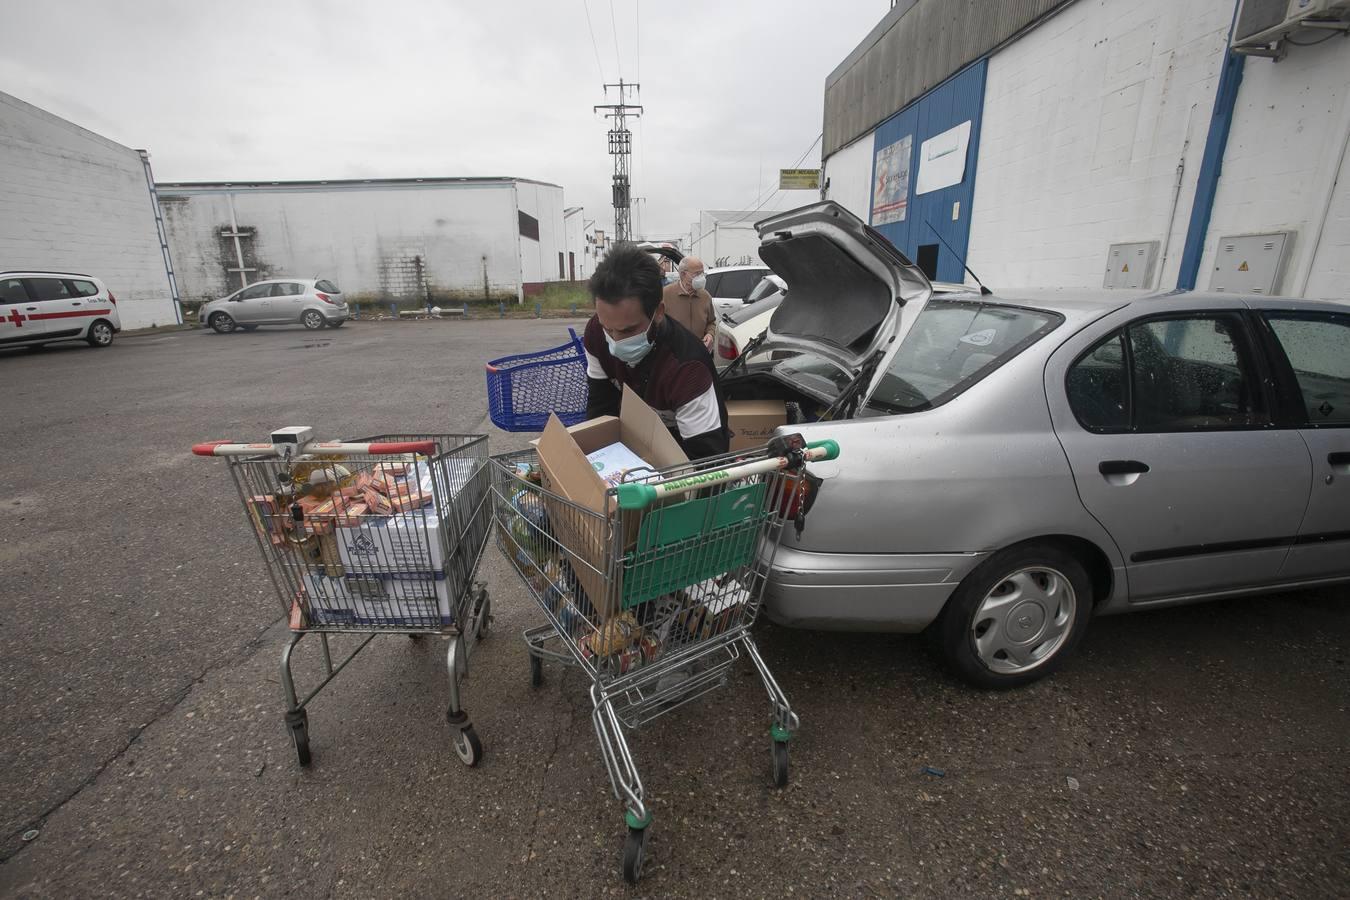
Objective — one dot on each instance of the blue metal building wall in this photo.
(952, 102)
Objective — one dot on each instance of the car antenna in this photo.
(984, 291)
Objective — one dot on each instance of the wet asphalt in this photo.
(1197, 751)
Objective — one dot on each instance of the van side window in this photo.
(45, 289)
(11, 291)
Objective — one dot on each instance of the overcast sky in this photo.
(250, 90)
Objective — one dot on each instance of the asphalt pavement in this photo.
(1199, 751)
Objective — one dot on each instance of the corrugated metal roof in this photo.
(344, 183)
(916, 46)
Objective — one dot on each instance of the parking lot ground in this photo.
(1200, 751)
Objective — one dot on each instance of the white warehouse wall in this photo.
(71, 200)
(574, 224)
(1085, 120)
(539, 259)
(372, 239)
(849, 173)
(728, 237)
(1285, 159)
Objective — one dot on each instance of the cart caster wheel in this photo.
(298, 725)
(536, 671)
(415, 638)
(780, 764)
(468, 747)
(634, 854)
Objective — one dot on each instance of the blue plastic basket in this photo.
(523, 389)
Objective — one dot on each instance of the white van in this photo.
(39, 308)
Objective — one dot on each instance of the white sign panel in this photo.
(942, 159)
(890, 190)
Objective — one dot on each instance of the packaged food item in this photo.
(376, 502)
(269, 518)
(615, 461)
(615, 635)
(350, 514)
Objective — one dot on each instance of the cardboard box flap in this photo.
(646, 434)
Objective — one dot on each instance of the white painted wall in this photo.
(728, 237)
(849, 172)
(575, 227)
(539, 259)
(1085, 119)
(74, 201)
(1284, 167)
(367, 238)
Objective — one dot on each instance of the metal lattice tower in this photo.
(621, 148)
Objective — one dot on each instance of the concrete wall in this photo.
(728, 238)
(574, 226)
(378, 242)
(1085, 121)
(539, 259)
(849, 172)
(1284, 168)
(72, 200)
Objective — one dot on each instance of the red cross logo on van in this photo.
(16, 318)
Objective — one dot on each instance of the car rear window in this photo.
(951, 346)
(326, 286)
(85, 288)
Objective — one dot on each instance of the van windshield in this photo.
(951, 346)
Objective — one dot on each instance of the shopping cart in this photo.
(524, 389)
(379, 536)
(654, 598)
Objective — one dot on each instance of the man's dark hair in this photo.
(626, 272)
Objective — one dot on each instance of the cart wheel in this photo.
(298, 724)
(536, 671)
(484, 616)
(416, 638)
(780, 764)
(467, 746)
(634, 854)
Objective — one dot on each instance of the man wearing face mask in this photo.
(632, 340)
(689, 303)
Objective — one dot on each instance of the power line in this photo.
(637, 40)
(772, 193)
(618, 57)
(594, 46)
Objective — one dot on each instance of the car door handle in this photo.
(31, 309)
(1122, 467)
(75, 303)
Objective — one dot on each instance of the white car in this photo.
(737, 328)
(311, 302)
(39, 308)
(731, 285)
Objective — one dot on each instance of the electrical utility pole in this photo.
(621, 147)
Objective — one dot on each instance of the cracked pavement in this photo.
(141, 724)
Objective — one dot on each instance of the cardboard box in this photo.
(405, 542)
(420, 599)
(752, 421)
(566, 472)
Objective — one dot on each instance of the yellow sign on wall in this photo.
(799, 179)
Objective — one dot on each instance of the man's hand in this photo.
(708, 341)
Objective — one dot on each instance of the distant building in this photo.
(1084, 143)
(73, 201)
(393, 240)
(727, 237)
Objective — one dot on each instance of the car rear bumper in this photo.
(901, 592)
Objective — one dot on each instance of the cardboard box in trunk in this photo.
(567, 473)
(752, 421)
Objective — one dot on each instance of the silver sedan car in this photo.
(312, 302)
(1014, 465)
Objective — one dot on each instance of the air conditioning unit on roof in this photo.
(1265, 25)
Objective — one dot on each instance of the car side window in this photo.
(84, 288)
(286, 289)
(47, 289)
(714, 283)
(255, 292)
(11, 291)
(1318, 349)
(1193, 373)
(1099, 387)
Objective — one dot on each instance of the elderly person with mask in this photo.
(689, 304)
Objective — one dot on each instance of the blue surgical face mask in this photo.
(631, 349)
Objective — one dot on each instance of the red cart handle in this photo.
(332, 448)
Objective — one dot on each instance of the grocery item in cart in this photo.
(613, 463)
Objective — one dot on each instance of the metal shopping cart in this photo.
(654, 597)
(524, 389)
(379, 536)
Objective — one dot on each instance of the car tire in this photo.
(100, 334)
(1016, 617)
(222, 323)
(313, 320)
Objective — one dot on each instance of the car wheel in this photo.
(313, 320)
(222, 323)
(1016, 617)
(100, 334)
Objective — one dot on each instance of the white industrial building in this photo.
(73, 201)
(1150, 143)
(727, 237)
(405, 240)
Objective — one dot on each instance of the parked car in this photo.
(730, 286)
(40, 308)
(737, 328)
(312, 302)
(1013, 465)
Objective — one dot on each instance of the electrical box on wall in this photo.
(1249, 263)
(1130, 265)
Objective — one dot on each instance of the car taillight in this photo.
(322, 296)
(726, 346)
(795, 493)
(112, 299)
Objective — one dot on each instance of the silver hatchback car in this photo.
(312, 302)
(1013, 465)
